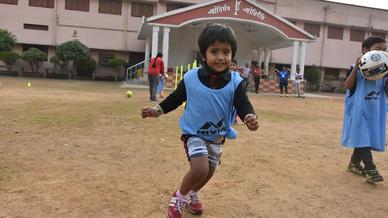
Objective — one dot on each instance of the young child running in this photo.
(213, 95)
(365, 117)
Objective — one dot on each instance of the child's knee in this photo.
(200, 170)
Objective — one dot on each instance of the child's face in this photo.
(219, 56)
(381, 46)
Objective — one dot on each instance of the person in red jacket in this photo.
(256, 71)
(155, 68)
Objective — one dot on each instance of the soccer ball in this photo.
(374, 65)
(129, 94)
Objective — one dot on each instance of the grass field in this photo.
(81, 149)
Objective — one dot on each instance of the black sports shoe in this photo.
(373, 176)
(356, 169)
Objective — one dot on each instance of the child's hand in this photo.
(358, 62)
(251, 122)
(154, 111)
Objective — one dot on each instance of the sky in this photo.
(383, 4)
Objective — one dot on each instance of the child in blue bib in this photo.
(213, 95)
(364, 123)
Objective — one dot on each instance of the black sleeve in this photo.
(352, 90)
(241, 102)
(175, 99)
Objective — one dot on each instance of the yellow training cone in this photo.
(29, 84)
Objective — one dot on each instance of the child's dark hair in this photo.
(369, 42)
(159, 55)
(234, 61)
(217, 32)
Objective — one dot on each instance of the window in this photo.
(379, 34)
(11, 2)
(335, 32)
(35, 27)
(140, 9)
(313, 29)
(110, 7)
(357, 35)
(171, 7)
(103, 59)
(42, 3)
(77, 5)
(43, 48)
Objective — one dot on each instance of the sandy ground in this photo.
(80, 149)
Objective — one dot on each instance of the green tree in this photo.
(72, 51)
(9, 58)
(35, 58)
(313, 76)
(118, 64)
(7, 40)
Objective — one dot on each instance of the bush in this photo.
(7, 40)
(9, 58)
(35, 58)
(313, 77)
(118, 64)
(72, 51)
(86, 67)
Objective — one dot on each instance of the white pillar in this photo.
(266, 61)
(260, 53)
(294, 59)
(302, 57)
(166, 38)
(147, 53)
(155, 38)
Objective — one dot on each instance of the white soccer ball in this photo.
(374, 65)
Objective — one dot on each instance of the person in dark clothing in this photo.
(213, 95)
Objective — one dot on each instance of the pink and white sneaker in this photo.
(175, 207)
(193, 203)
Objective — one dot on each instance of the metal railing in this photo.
(135, 71)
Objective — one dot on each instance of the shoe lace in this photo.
(179, 204)
(194, 198)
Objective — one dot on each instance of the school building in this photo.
(273, 32)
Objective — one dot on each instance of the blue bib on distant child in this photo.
(209, 113)
(365, 115)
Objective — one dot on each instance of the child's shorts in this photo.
(197, 147)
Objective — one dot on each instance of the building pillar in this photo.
(155, 38)
(302, 56)
(260, 54)
(166, 38)
(147, 53)
(294, 59)
(266, 61)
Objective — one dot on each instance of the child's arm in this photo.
(351, 80)
(174, 100)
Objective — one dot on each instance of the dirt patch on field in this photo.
(80, 149)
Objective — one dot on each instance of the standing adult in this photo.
(283, 81)
(155, 68)
(245, 75)
(256, 71)
(298, 79)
